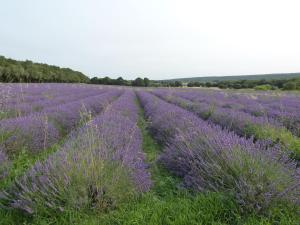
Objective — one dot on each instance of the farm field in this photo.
(91, 154)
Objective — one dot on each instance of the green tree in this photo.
(178, 84)
(291, 85)
(146, 82)
(138, 82)
(120, 81)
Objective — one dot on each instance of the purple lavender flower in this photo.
(100, 165)
(38, 131)
(210, 158)
(242, 123)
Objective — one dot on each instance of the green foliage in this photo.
(195, 84)
(4, 115)
(23, 161)
(169, 84)
(282, 136)
(138, 82)
(267, 77)
(147, 82)
(109, 81)
(290, 86)
(293, 84)
(264, 87)
(27, 71)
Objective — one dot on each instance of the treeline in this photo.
(284, 84)
(27, 71)
(138, 82)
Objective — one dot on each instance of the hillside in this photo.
(278, 76)
(27, 71)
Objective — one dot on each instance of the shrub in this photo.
(100, 166)
(33, 132)
(264, 87)
(78, 176)
(210, 158)
(257, 176)
(277, 135)
(291, 85)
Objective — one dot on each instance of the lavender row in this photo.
(209, 158)
(31, 92)
(118, 130)
(283, 108)
(41, 130)
(99, 166)
(18, 93)
(240, 122)
(40, 105)
(48, 98)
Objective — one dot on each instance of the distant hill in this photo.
(278, 76)
(27, 71)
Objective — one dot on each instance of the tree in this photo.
(138, 82)
(27, 71)
(106, 80)
(120, 81)
(291, 85)
(94, 80)
(146, 82)
(264, 87)
(178, 84)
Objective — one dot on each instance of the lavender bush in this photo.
(240, 122)
(209, 158)
(33, 132)
(23, 99)
(283, 108)
(100, 166)
(38, 131)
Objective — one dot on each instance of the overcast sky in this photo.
(159, 39)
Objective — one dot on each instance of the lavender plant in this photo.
(282, 108)
(209, 158)
(38, 131)
(47, 96)
(240, 122)
(32, 132)
(99, 166)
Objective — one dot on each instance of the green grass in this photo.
(23, 161)
(277, 135)
(166, 203)
(3, 115)
(20, 164)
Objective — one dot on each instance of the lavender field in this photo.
(92, 154)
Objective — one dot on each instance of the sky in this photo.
(158, 39)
